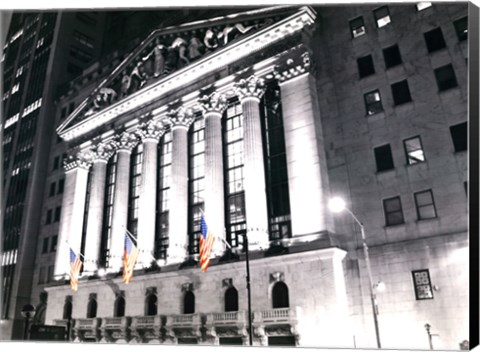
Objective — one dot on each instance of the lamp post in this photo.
(250, 332)
(28, 311)
(337, 205)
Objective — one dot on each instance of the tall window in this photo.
(233, 164)
(231, 300)
(119, 310)
(108, 209)
(92, 308)
(383, 158)
(189, 303)
(151, 304)
(459, 135)
(280, 295)
(422, 284)
(393, 211)
(414, 150)
(163, 187)
(67, 308)
(276, 165)
(357, 27)
(135, 181)
(425, 205)
(196, 182)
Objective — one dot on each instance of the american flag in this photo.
(75, 267)
(129, 258)
(206, 242)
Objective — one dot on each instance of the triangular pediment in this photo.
(167, 51)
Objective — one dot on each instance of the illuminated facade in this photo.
(257, 120)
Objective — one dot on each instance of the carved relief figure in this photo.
(210, 40)
(124, 85)
(231, 32)
(195, 47)
(181, 46)
(158, 53)
(137, 77)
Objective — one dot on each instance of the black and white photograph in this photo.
(252, 175)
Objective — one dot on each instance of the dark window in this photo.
(53, 243)
(392, 56)
(382, 16)
(56, 162)
(383, 158)
(49, 217)
(425, 205)
(231, 300)
(64, 113)
(42, 276)
(434, 40)
(423, 5)
(189, 303)
(393, 211)
(461, 28)
(151, 304)
(459, 135)
(61, 185)
(280, 295)
(83, 39)
(414, 150)
(365, 66)
(45, 245)
(401, 93)
(373, 102)
(445, 77)
(50, 273)
(281, 341)
(119, 307)
(357, 27)
(465, 185)
(58, 210)
(52, 189)
(67, 310)
(422, 284)
(92, 309)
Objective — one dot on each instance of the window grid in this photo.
(425, 205)
(164, 170)
(196, 182)
(108, 209)
(422, 284)
(234, 194)
(357, 27)
(393, 211)
(134, 194)
(382, 16)
(414, 150)
(373, 102)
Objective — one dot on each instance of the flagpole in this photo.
(72, 249)
(136, 244)
(250, 332)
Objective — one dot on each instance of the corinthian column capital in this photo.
(103, 151)
(214, 102)
(251, 87)
(293, 67)
(152, 129)
(81, 159)
(126, 141)
(181, 117)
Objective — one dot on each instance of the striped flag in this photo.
(206, 242)
(129, 258)
(75, 267)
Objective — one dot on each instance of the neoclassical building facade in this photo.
(228, 119)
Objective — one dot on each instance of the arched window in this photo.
(92, 309)
(189, 303)
(67, 310)
(119, 307)
(231, 300)
(280, 295)
(151, 305)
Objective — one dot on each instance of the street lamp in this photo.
(28, 311)
(337, 205)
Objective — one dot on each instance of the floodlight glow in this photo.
(336, 205)
(380, 286)
(102, 272)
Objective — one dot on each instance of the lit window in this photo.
(461, 28)
(392, 56)
(425, 205)
(365, 66)
(15, 88)
(445, 77)
(423, 5)
(40, 42)
(19, 71)
(422, 284)
(357, 27)
(414, 150)
(382, 16)
(393, 211)
(373, 102)
(459, 135)
(383, 158)
(401, 93)
(434, 40)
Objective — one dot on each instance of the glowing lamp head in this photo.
(336, 205)
(380, 286)
(102, 272)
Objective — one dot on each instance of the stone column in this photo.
(250, 91)
(179, 120)
(150, 133)
(214, 105)
(73, 208)
(124, 144)
(305, 151)
(101, 153)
